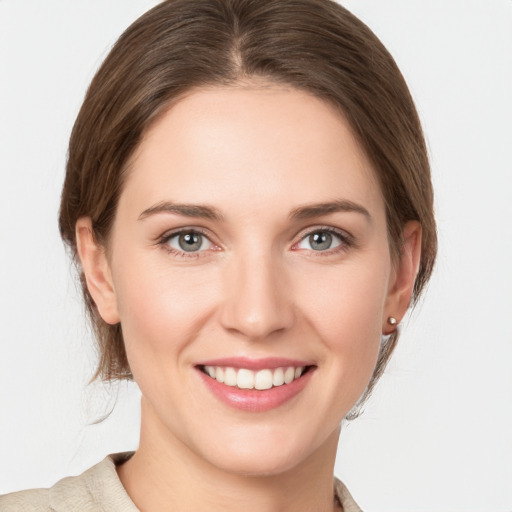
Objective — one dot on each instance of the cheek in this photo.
(348, 299)
(346, 313)
(160, 311)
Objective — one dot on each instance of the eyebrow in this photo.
(316, 210)
(300, 213)
(187, 210)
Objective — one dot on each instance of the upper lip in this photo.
(255, 364)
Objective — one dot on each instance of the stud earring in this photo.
(392, 320)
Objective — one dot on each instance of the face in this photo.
(251, 273)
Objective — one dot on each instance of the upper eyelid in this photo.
(331, 229)
(164, 239)
(188, 229)
(163, 242)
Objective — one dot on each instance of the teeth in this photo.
(289, 375)
(248, 379)
(263, 379)
(230, 377)
(278, 377)
(245, 379)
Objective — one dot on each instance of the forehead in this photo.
(240, 145)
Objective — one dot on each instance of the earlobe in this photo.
(96, 269)
(402, 285)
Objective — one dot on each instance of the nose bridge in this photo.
(257, 300)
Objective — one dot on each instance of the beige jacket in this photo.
(100, 490)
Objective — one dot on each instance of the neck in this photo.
(165, 474)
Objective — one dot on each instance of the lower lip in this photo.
(253, 400)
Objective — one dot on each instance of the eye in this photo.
(321, 240)
(188, 241)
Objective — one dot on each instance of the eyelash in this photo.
(164, 242)
(346, 241)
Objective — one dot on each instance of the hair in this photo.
(312, 45)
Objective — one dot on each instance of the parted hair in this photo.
(312, 45)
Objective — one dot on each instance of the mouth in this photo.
(255, 385)
(262, 379)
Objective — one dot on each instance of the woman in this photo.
(248, 196)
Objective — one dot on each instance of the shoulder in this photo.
(34, 500)
(345, 498)
(98, 488)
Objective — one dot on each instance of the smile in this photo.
(244, 378)
(255, 385)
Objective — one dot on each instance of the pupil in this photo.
(320, 241)
(190, 241)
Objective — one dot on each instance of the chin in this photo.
(258, 463)
(269, 454)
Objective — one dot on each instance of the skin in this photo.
(256, 289)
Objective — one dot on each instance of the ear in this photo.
(97, 272)
(404, 275)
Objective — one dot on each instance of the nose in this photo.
(258, 301)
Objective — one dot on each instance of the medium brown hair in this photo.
(313, 45)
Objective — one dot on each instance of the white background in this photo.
(437, 435)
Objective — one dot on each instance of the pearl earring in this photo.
(392, 320)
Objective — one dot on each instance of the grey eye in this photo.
(189, 241)
(320, 241)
